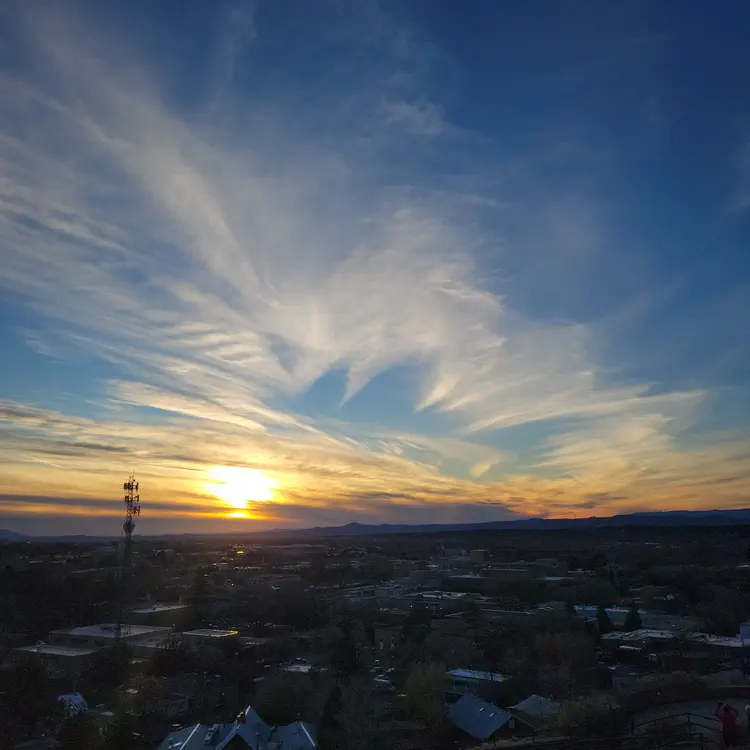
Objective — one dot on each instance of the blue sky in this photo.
(403, 262)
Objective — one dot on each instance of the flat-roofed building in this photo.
(209, 638)
(68, 650)
(59, 661)
(171, 614)
(105, 635)
(477, 682)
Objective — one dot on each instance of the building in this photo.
(161, 613)
(68, 651)
(438, 603)
(105, 635)
(209, 638)
(482, 721)
(459, 682)
(650, 620)
(643, 638)
(61, 662)
(72, 704)
(479, 556)
(247, 732)
(299, 667)
(535, 711)
(371, 595)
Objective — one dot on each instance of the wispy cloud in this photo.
(416, 118)
(741, 198)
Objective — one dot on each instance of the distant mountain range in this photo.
(657, 518)
(6, 535)
(662, 518)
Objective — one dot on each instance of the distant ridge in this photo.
(656, 518)
(6, 535)
(673, 518)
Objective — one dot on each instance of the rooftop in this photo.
(718, 640)
(253, 641)
(538, 706)
(212, 633)
(52, 649)
(642, 635)
(475, 674)
(195, 736)
(477, 718)
(109, 630)
(298, 668)
(160, 607)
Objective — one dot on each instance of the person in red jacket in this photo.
(729, 721)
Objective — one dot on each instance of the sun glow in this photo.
(237, 486)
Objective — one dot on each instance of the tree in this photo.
(344, 657)
(79, 732)
(633, 619)
(147, 701)
(169, 661)
(333, 705)
(120, 734)
(283, 698)
(423, 694)
(355, 725)
(564, 663)
(602, 620)
(585, 713)
(109, 668)
(494, 647)
(473, 616)
(26, 697)
(416, 628)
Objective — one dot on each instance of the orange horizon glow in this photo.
(237, 486)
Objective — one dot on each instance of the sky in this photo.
(301, 264)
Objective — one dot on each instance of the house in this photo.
(462, 681)
(195, 737)
(535, 711)
(479, 719)
(247, 732)
(209, 638)
(296, 736)
(73, 703)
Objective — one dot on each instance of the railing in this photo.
(675, 730)
(683, 731)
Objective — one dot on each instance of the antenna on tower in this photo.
(132, 509)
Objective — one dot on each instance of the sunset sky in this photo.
(306, 263)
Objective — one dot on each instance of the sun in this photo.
(236, 486)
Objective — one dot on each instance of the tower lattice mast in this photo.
(132, 509)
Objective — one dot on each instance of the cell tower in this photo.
(132, 509)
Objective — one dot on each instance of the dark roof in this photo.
(477, 717)
(194, 737)
(249, 733)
